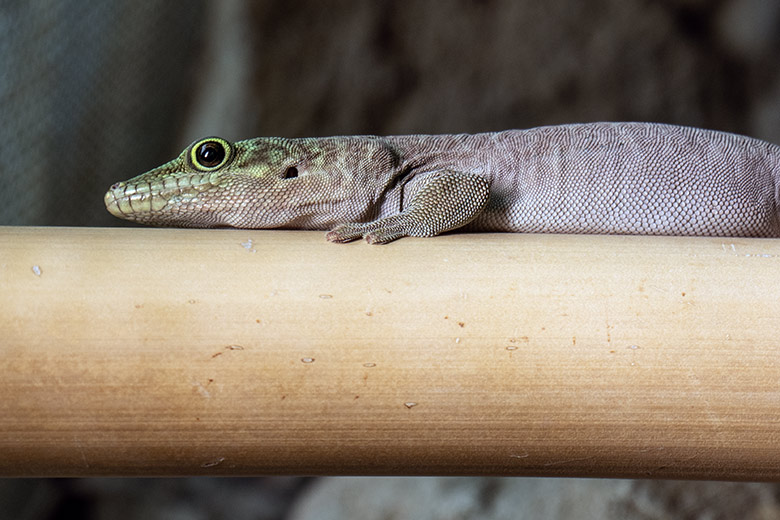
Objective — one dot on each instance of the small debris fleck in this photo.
(511, 347)
(457, 340)
(369, 365)
(212, 463)
(326, 296)
(201, 389)
(248, 246)
(633, 347)
(307, 360)
(461, 324)
(410, 404)
(36, 269)
(229, 347)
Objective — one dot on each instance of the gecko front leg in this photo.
(447, 200)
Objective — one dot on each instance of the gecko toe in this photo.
(343, 233)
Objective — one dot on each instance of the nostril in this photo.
(117, 185)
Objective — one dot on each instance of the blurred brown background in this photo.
(92, 93)
(96, 92)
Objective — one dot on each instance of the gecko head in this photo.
(215, 183)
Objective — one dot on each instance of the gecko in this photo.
(596, 178)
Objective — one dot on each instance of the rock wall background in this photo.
(95, 93)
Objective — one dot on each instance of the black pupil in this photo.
(210, 154)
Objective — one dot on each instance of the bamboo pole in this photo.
(233, 352)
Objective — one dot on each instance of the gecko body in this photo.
(604, 178)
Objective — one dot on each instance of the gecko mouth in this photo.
(137, 200)
(130, 204)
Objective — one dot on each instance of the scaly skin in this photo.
(615, 178)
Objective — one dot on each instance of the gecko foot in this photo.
(377, 232)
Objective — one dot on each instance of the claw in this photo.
(343, 233)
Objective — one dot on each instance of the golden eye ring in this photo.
(211, 153)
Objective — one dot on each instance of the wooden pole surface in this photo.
(232, 352)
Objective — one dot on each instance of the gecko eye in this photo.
(210, 153)
(291, 173)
